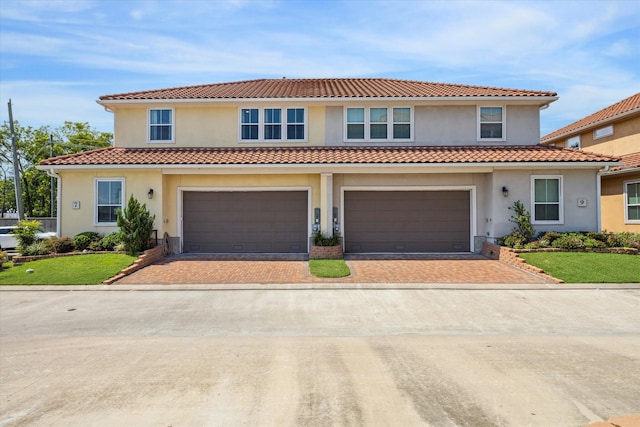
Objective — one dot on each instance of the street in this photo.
(371, 357)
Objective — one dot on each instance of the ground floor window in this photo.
(546, 195)
(109, 199)
(632, 201)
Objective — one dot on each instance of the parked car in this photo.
(8, 238)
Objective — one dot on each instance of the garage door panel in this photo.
(226, 222)
(407, 221)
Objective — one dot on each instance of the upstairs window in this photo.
(161, 125)
(378, 124)
(574, 142)
(546, 195)
(491, 124)
(632, 202)
(272, 124)
(109, 200)
(602, 132)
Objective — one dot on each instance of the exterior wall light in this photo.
(505, 191)
(150, 193)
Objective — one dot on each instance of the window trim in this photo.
(479, 123)
(603, 132)
(389, 123)
(172, 124)
(560, 219)
(95, 199)
(284, 124)
(626, 204)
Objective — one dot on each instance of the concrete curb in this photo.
(333, 286)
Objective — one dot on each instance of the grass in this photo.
(90, 269)
(587, 267)
(329, 268)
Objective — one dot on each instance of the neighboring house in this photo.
(613, 131)
(392, 165)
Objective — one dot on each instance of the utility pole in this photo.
(51, 155)
(16, 170)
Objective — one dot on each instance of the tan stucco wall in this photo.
(613, 204)
(625, 139)
(211, 126)
(81, 187)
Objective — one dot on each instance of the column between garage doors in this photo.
(408, 219)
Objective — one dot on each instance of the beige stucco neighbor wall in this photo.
(613, 204)
(625, 139)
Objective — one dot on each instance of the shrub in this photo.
(92, 235)
(569, 241)
(62, 245)
(37, 248)
(322, 239)
(598, 236)
(26, 233)
(593, 243)
(629, 240)
(110, 241)
(522, 219)
(95, 246)
(81, 242)
(550, 236)
(513, 240)
(136, 225)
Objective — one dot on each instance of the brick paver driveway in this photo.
(202, 269)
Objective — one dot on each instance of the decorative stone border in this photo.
(510, 256)
(147, 258)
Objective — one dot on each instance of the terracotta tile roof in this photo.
(324, 155)
(630, 161)
(325, 88)
(626, 106)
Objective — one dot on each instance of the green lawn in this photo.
(70, 270)
(587, 267)
(329, 268)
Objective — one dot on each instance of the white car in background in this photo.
(8, 239)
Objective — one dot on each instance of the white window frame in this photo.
(172, 126)
(503, 122)
(389, 123)
(283, 124)
(574, 142)
(95, 199)
(560, 202)
(626, 202)
(603, 132)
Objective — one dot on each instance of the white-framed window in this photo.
(632, 202)
(546, 199)
(109, 199)
(573, 142)
(273, 124)
(161, 125)
(491, 123)
(378, 124)
(602, 132)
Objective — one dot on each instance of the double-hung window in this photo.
(272, 124)
(161, 125)
(546, 195)
(491, 124)
(632, 202)
(109, 198)
(378, 124)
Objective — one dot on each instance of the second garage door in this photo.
(407, 221)
(249, 222)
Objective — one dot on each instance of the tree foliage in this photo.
(35, 145)
(136, 225)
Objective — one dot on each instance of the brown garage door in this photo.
(406, 221)
(249, 222)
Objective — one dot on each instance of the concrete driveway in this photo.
(375, 357)
(208, 269)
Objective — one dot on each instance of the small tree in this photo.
(522, 219)
(136, 225)
(26, 233)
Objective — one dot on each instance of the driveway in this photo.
(392, 357)
(194, 269)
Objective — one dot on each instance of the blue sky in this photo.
(58, 57)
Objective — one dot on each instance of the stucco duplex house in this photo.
(614, 131)
(391, 165)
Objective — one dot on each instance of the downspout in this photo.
(599, 196)
(52, 173)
